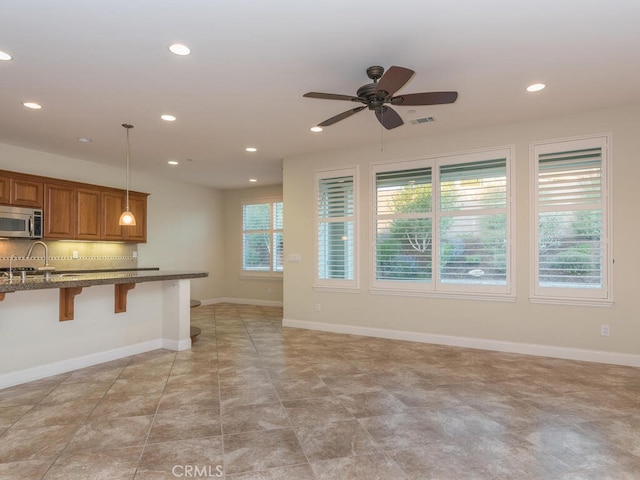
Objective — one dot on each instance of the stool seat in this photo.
(195, 331)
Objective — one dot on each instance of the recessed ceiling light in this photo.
(33, 106)
(179, 49)
(4, 56)
(84, 139)
(316, 129)
(251, 149)
(168, 118)
(536, 87)
(253, 180)
(173, 162)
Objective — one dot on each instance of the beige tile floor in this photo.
(254, 401)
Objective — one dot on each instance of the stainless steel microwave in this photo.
(19, 222)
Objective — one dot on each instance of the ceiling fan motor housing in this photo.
(375, 95)
(367, 94)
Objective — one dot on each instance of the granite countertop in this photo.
(89, 278)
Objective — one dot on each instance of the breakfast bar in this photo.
(115, 314)
(72, 283)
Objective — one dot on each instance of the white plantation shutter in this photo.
(404, 225)
(473, 222)
(278, 236)
(336, 232)
(571, 232)
(262, 237)
(442, 225)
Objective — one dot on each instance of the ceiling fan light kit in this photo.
(378, 95)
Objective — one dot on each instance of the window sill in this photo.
(261, 276)
(485, 297)
(336, 289)
(580, 302)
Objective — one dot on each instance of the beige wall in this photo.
(239, 287)
(184, 221)
(567, 330)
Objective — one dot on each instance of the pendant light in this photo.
(127, 217)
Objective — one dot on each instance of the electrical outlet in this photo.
(318, 308)
(295, 257)
(74, 255)
(604, 330)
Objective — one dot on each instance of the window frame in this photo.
(566, 295)
(335, 284)
(436, 288)
(272, 231)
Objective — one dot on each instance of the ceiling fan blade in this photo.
(393, 80)
(331, 96)
(389, 118)
(340, 116)
(425, 98)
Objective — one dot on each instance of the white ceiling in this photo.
(95, 64)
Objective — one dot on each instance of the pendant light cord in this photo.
(128, 127)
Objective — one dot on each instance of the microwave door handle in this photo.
(31, 226)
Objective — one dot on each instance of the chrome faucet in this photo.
(47, 269)
(13, 255)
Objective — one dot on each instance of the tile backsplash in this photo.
(91, 255)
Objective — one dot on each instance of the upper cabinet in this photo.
(21, 190)
(112, 206)
(4, 190)
(76, 211)
(88, 214)
(60, 211)
(138, 206)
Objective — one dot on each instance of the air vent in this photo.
(423, 120)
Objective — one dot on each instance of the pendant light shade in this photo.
(127, 218)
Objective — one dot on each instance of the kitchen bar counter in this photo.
(76, 319)
(88, 279)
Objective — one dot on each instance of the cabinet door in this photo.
(26, 193)
(112, 206)
(4, 190)
(59, 211)
(138, 206)
(88, 214)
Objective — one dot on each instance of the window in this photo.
(443, 225)
(571, 256)
(336, 228)
(262, 239)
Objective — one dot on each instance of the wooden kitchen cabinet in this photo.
(76, 211)
(138, 206)
(26, 193)
(112, 206)
(89, 213)
(4, 190)
(21, 190)
(59, 211)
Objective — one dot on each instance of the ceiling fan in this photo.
(375, 95)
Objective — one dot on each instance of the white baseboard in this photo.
(176, 345)
(56, 368)
(597, 356)
(242, 301)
